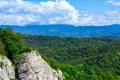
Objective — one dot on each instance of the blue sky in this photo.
(93, 6)
(74, 12)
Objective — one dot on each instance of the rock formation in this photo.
(6, 69)
(32, 67)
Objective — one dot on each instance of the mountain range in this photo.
(67, 30)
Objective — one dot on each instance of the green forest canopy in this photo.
(79, 59)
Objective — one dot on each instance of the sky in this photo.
(73, 12)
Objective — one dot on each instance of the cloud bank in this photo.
(19, 12)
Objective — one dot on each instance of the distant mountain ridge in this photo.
(67, 30)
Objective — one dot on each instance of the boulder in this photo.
(31, 66)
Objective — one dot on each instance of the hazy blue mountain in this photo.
(67, 30)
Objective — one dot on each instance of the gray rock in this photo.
(6, 69)
(3, 75)
(32, 67)
(58, 75)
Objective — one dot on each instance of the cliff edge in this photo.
(31, 66)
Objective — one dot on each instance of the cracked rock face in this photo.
(6, 69)
(32, 67)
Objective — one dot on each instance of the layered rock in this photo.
(32, 67)
(6, 69)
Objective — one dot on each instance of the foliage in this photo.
(80, 59)
(2, 49)
(12, 44)
(13, 79)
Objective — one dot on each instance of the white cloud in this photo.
(114, 3)
(108, 18)
(23, 12)
(19, 12)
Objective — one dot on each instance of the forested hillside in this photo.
(80, 59)
(67, 30)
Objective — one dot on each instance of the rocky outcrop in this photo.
(58, 75)
(32, 67)
(6, 69)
